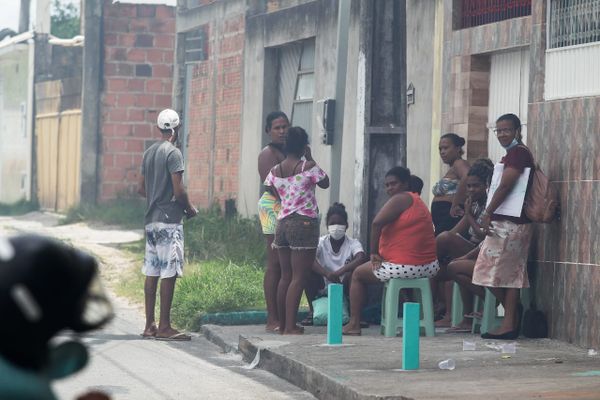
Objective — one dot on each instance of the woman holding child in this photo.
(297, 232)
(402, 244)
(502, 261)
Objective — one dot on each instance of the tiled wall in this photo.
(467, 75)
(565, 137)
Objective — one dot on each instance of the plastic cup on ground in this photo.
(448, 364)
(468, 345)
(509, 348)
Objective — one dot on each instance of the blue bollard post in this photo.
(334, 313)
(410, 336)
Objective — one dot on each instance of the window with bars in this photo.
(481, 12)
(305, 88)
(195, 43)
(573, 22)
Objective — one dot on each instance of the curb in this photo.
(211, 334)
(304, 376)
(251, 317)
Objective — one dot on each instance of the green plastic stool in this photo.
(490, 319)
(457, 305)
(390, 322)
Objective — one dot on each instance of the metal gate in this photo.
(509, 93)
(58, 149)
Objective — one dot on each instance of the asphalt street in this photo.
(127, 366)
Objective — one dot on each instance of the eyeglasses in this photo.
(501, 131)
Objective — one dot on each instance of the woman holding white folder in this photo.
(502, 262)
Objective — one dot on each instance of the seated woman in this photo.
(338, 255)
(467, 234)
(461, 271)
(402, 244)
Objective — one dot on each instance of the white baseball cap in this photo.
(168, 119)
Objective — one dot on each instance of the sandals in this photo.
(178, 337)
(308, 321)
(458, 329)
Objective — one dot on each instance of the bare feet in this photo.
(444, 322)
(351, 330)
(298, 330)
(274, 327)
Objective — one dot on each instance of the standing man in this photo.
(161, 183)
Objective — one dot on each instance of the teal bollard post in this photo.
(410, 336)
(334, 313)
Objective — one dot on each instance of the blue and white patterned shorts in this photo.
(164, 250)
(389, 270)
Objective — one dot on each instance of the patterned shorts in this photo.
(164, 250)
(268, 208)
(389, 271)
(298, 232)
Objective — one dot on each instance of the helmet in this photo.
(168, 119)
(45, 287)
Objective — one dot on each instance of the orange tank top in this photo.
(410, 239)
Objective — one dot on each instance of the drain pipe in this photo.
(340, 96)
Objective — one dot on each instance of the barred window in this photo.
(195, 45)
(573, 22)
(472, 13)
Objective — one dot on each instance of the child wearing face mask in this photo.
(337, 256)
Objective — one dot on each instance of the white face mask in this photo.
(337, 231)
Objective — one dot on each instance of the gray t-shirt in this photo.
(160, 161)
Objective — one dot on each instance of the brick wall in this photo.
(139, 45)
(214, 119)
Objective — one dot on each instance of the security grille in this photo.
(573, 22)
(195, 43)
(481, 12)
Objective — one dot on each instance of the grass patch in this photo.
(216, 286)
(224, 268)
(210, 236)
(19, 207)
(125, 212)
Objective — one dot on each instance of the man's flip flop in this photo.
(351, 333)
(178, 337)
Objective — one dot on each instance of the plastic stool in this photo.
(489, 319)
(457, 305)
(390, 322)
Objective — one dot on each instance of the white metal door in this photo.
(509, 91)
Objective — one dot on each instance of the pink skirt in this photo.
(502, 260)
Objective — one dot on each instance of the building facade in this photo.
(539, 59)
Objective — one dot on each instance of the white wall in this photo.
(419, 55)
(15, 137)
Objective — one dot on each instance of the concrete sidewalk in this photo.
(369, 366)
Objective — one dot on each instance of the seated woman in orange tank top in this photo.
(402, 244)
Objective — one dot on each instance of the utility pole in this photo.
(24, 16)
(340, 97)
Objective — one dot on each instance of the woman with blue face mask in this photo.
(337, 256)
(502, 262)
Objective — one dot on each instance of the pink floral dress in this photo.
(297, 192)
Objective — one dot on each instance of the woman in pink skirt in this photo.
(502, 262)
